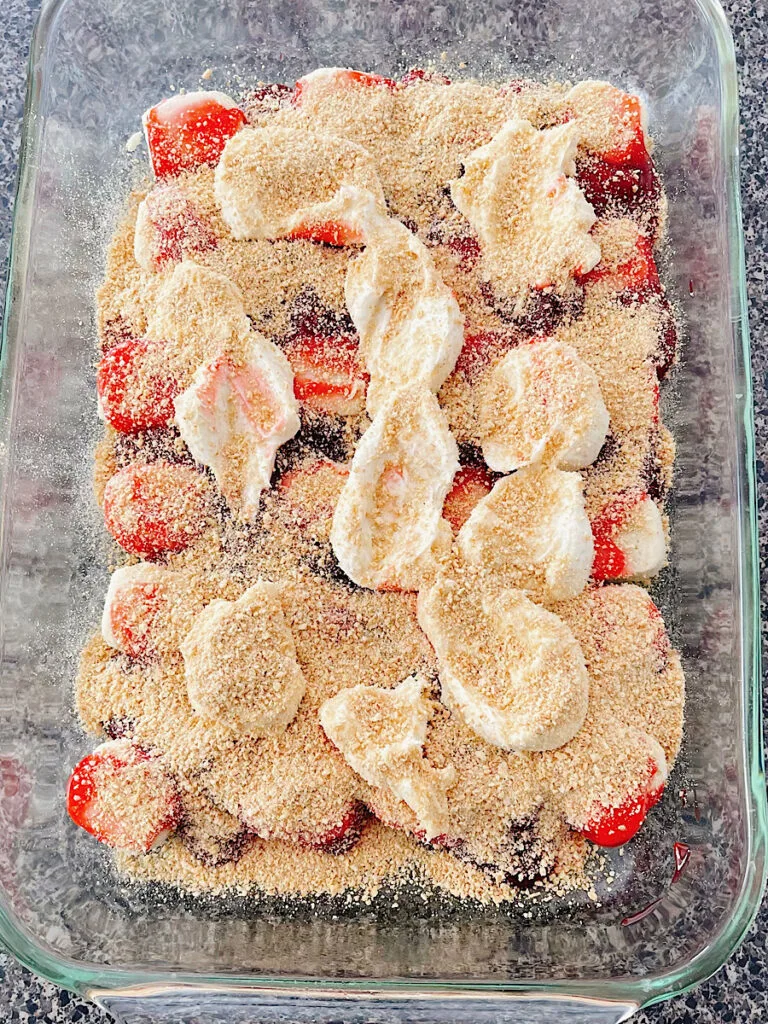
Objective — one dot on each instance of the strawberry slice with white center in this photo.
(334, 79)
(234, 417)
(470, 485)
(123, 797)
(135, 393)
(169, 228)
(327, 374)
(614, 826)
(629, 538)
(156, 508)
(184, 132)
(136, 597)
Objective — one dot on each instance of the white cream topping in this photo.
(510, 669)
(240, 663)
(642, 540)
(381, 734)
(388, 530)
(236, 414)
(410, 325)
(542, 403)
(531, 217)
(532, 532)
(274, 182)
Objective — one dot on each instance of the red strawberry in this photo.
(420, 75)
(122, 796)
(135, 598)
(629, 148)
(635, 278)
(155, 508)
(330, 232)
(610, 562)
(302, 485)
(343, 78)
(470, 485)
(186, 131)
(339, 837)
(327, 374)
(482, 349)
(176, 229)
(134, 393)
(613, 826)
(627, 189)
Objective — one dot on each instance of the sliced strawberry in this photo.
(156, 508)
(174, 227)
(186, 131)
(341, 78)
(330, 232)
(611, 561)
(611, 188)
(339, 837)
(470, 485)
(629, 148)
(482, 349)
(636, 278)
(311, 490)
(613, 826)
(135, 599)
(134, 392)
(122, 796)
(327, 374)
(420, 75)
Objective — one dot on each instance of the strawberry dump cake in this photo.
(385, 472)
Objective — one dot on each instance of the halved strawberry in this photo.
(470, 485)
(483, 348)
(629, 147)
(420, 75)
(186, 131)
(636, 278)
(134, 392)
(135, 598)
(339, 837)
(613, 826)
(156, 508)
(169, 228)
(311, 490)
(327, 374)
(122, 796)
(624, 189)
(628, 537)
(340, 78)
(330, 232)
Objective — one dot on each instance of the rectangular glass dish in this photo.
(94, 68)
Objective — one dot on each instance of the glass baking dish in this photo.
(94, 68)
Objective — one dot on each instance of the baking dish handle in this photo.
(195, 1005)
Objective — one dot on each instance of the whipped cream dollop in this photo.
(512, 671)
(532, 531)
(276, 182)
(532, 219)
(236, 413)
(240, 663)
(381, 734)
(388, 531)
(542, 403)
(410, 325)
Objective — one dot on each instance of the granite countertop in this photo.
(737, 993)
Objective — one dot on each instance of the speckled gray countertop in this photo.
(737, 993)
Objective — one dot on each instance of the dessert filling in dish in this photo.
(385, 472)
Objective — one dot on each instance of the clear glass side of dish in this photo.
(94, 69)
